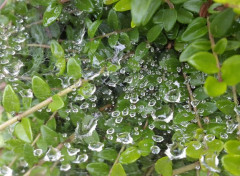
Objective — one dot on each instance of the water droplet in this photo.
(65, 167)
(155, 149)
(96, 146)
(81, 159)
(53, 154)
(157, 138)
(5, 171)
(37, 152)
(124, 138)
(73, 151)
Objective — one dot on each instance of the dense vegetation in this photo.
(119, 87)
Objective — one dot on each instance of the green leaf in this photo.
(231, 164)
(112, 67)
(23, 130)
(51, 13)
(230, 70)
(28, 155)
(85, 5)
(166, 17)
(226, 106)
(154, 32)
(142, 10)
(98, 169)
(10, 100)
(144, 146)
(40, 171)
(74, 69)
(57, 50)
(130, 155)
(194, 149)
(207, 108)
(193, 5)
(183, 116)
(61, 65)
(49, 136)
(194, 47)
(123, 5)
(196, 29)
(222, 22)
(220, 46)
(57, 103)
(40, 88)
(108, 154)
(113, 20)
(205, 62)
(213, 87)
(112, 40)
(118, 170)
(108, 2)
(93, 28)
(232, 147)
(141, 51)
(87, 90)
(215, 146)
(184, 16)
(163, 166)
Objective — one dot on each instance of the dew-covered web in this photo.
(145, 98)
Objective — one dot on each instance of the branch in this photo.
(170, 4)
(192, 99)
(111, 33)
(236, 103)
(46, 102)
(34, 23)
(38, 45)
(116, 161)
(3, 4)
(214, 54)
(185, 168)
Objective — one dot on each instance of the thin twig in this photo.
(236, 103)
(111, 33)
(38, 45)
(47, 101)
(185, 168)
(192, 100)
(170, 4)
(214, 53)
(34, 23)
(3, 4)
(117, 159)
(150, 170)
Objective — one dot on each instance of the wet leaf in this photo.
(144, 146)
(232, 147)
(183, 116)
(74, 69)
(10, 100)
(166, 17)
(86, 90)
(205, 62)
(163, 166)
(28, 155)
(226, 106)
(213, 87)
(215, 146)
(23, 130)
(49, 136)
(51, 13)
(108, 154)
(123, 5)
(194, 149)
(130, 155)
(85, 5)
(108, 2)
(154, 32)
(113, 20)
(231, 163)
(57, 50)
(40, 88)
(93, 28)
(57, 103)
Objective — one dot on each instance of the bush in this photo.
(120, 87)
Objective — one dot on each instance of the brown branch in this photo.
(170, 4)
(38, 45)
(236, 103)
(3, 4)
(214, 53)
(34, 23)
(185, 168)
(64, 1)
(192, 99)
(111, 33)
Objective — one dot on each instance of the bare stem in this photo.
(111, 33)
(185, 168)
(117, 159)
(34, 23)
(214, 53)
(236, 103)
(192, 99)
(47, 101)
(3, 4)
(38, 45)
(170, 4)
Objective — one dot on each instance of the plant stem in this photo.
(3, 4)
(214, 53)
(192, 99)
(236, 103)
(185, 168)
(170, 4)
(38, 45)
(59, 147)
(116, 161)
(34, 23)
(111, 33)
(47, 101)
